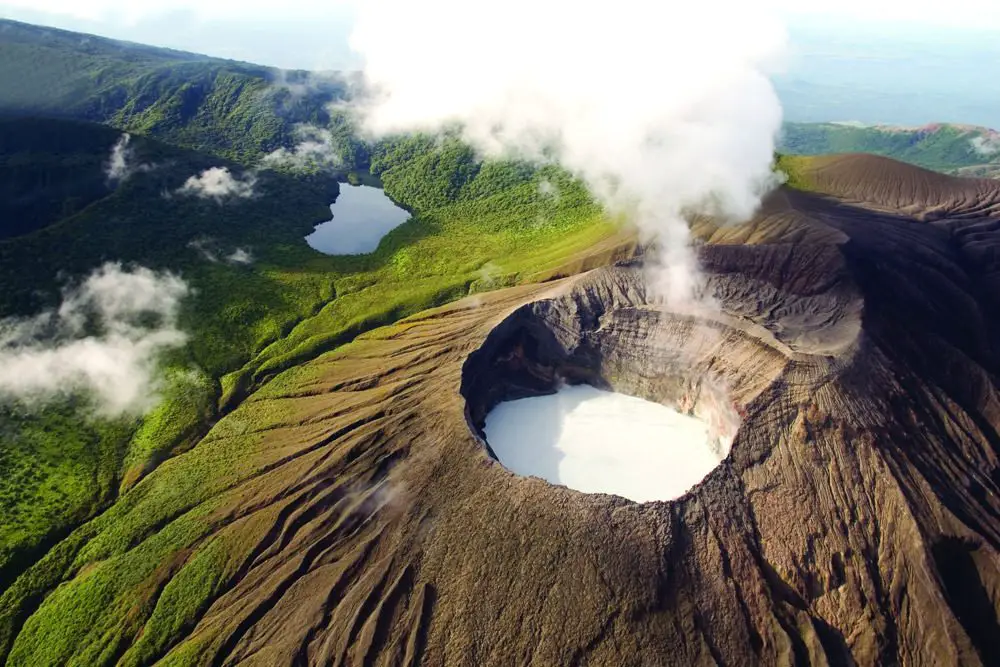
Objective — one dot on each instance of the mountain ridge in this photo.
(237, 110)
(945, 147)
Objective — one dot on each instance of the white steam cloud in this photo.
(219, 184)
(987, 146)
(663, 109)
(104, 339)
(314, 152)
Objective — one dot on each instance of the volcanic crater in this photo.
(856, 520)
(604, 333)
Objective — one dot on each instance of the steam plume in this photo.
(104, 339)
(120, 164)
(664, 109)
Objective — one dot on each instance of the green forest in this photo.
(946, 148)
(93, 505)
(231, 109)
(475, 226)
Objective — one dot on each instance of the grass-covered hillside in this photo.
(57, 465)
(236, 110)
(955, 149)
(475, 226)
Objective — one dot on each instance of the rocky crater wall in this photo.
(362, 521)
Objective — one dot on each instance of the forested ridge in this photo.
(953, 149)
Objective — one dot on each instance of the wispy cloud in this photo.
(986, 145)
(213, 251)
(204, 247)
(299, 83)
(121, 165)
(240, 256)
(105, 339)
(219, 184)
(117, 168)
(315, 151)
(548, 189)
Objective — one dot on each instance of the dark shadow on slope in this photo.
(967, 596)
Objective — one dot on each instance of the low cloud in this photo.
(120, 165)
(105, 340)
(548, 189)
(219, 184)
(299, 84)
(986, 145)
(204, 247)
(240, 256)
(851, 123)
(117, 168)
(213, 251)
(315, 151)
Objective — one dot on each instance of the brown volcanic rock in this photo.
(856, 520)
(894, 186)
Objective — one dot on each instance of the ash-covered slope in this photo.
(897, 187)
(360, 519)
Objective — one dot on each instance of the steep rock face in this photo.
(855, 521)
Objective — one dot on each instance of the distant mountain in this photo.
(237, 110)
(955, 149)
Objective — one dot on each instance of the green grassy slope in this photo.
(57, 467)
(69, 481)
(475, 227)
(943, 147)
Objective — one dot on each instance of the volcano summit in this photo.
(855, 519)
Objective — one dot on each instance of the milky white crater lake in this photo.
(602, 442)
(362, 215)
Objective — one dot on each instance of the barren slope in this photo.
(894, 186)
(349, 513)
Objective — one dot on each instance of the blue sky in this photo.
(303, 35)
(312, 34)
(894, 61)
